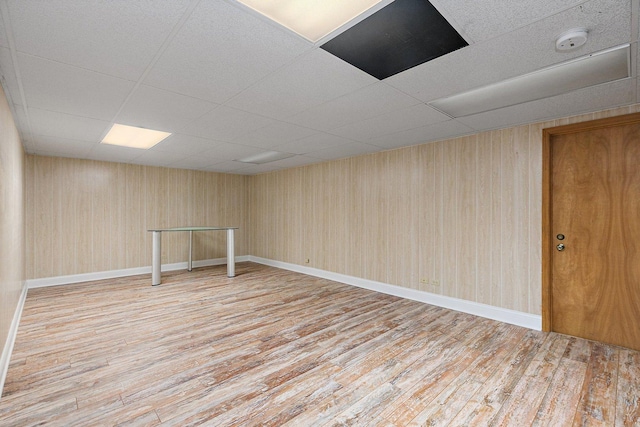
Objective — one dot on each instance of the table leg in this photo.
(231, 258)
(190, 263)
(156, 258)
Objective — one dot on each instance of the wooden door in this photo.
(595, 233)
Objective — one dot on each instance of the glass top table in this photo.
(156, 256)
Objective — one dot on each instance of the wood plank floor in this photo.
(272, 347)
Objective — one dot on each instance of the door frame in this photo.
(547, 209)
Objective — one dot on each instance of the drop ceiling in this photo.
(230, 84)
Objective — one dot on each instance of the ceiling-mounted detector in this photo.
(571, 39)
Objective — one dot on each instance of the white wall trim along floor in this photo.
(513, 317)
(11, 338)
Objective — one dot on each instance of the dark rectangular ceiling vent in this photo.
(399, 36)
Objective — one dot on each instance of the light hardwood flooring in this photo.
(272, 347)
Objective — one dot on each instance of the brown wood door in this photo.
(595, 204)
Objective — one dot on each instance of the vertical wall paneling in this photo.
(522, 221)
(450, 228)
(134, 215)
(425, 213)
(29, 211)
(119, 214)
(466, 244)
(506, 232)
(98, 196)
(43, 220)
(66, 218)
(355, 207)
(89, 216)
(496, 218)
(375, 219)
(484, 225)
(173, 250)
(459, 217)
(535, 217)
(438, 201)
(12, 229)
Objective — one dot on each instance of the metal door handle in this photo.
(560, 247)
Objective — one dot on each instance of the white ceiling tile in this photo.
(371, 101)
(225, 124)
(521, 51)
(256, 169)
(226, 151)
(266, 76)
(316, 142)
(342, 151)
(158, 158)
(62, 147)
(118, 37)
(484, 20)
(293, 162)
(185, 144)
(67, 126)
(250, 169)
(3, 34)
(423, 134)
(275, 134)
(228, 166)
(161, 110)
(313, 79)
(8, 77)
(194, 162)
(54, 86)
(113, 153)
(222, 50)
(596, 98)
(396, 121)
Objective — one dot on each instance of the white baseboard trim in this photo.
(11, 338)
(513, 317)
(112, 274)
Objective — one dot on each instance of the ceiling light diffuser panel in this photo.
(133, 137)
(312, 19)
(390, 38)
(265, 157)
(590, 70)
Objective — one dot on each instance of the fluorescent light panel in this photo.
(602, 67)
(312, 19)
(266, 157)
(133, 137)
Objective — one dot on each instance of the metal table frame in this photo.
(156, 256)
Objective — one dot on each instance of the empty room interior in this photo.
(308, 213)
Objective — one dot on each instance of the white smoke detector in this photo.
(571, 39)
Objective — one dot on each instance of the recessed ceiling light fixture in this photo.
(590, 70)
(312, 19)
(133, 137)
(265, 157)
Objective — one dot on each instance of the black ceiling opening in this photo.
(399, 36)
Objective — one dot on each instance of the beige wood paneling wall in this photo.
(87, 216)
(459, 217)
(11, 219)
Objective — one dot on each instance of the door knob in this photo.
(560, 247)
